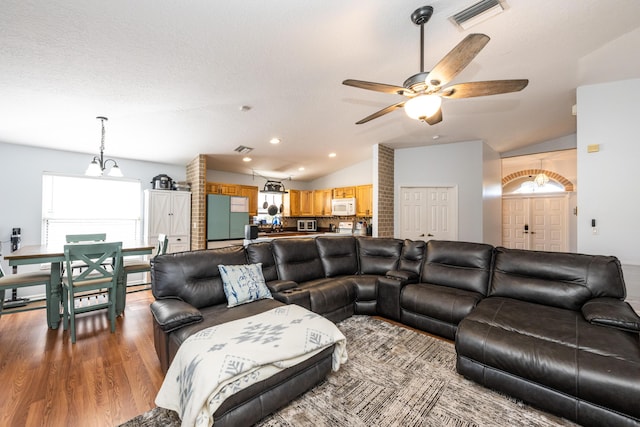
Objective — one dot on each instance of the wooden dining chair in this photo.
(94, 277)
(84, 238)
(22, 280)
(78, 238)
(144, 265)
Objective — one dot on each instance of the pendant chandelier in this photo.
(541, 179)
(99, 163)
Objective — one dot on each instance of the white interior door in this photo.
(428, 213)
(537, 223)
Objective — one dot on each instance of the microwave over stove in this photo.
(343, 207)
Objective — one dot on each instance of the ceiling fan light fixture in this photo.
(422, 107)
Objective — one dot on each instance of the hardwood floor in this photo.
(103, 380)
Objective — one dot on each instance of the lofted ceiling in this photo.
(172, 76)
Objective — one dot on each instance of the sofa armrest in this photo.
(611, 312)
(281, 285)
(388, 304)
(404, 276)
(172, 314)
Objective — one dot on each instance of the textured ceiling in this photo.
(172, 76)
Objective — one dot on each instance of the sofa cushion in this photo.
(193, 276)
(378, 255)
(564, 280)
(297, 259)
(444, 303)
(461, 265)
(261, 252)
(243, 283)
(556, 348)
(327, 295)
(338, 255)
(412, 255)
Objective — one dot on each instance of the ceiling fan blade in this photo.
(491, 87)
(457, 59)
(436, 118)
(378, 87)
(382, 112)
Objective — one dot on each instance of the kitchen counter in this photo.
(267, 237)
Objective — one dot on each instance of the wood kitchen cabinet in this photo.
(292, 203)
(364, 200)
(322, 202)
(221, 188)
(306, 203)
(344, 192)
(251, 193)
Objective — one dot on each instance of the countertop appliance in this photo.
(343, 207)
(345, 227)
(307, 225)
(162, 182)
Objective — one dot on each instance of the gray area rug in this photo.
(394, 377)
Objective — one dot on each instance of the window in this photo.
(79, 205)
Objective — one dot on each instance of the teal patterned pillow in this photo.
(243, 283)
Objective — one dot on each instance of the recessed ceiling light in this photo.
(245, 108)
(246, 159)
(435, 137)
(301, 168)
(275, 141)
(332, 154)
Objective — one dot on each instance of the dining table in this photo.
(54, 255)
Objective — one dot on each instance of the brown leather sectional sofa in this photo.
(551, 329)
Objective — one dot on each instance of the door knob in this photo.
(422, 235)
(429, 235)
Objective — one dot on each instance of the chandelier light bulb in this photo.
(422, 107)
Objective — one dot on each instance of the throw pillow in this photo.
(243, 283)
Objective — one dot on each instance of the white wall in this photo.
(21, 170)
(460, 165)
(254, 180)
(608, 116)
(491, 196)
(357, 174)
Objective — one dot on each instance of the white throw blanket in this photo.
(219, 361)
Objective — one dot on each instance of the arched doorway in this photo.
(537, 209)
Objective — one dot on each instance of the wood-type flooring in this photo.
(103, 380)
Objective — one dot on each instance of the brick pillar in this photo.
(386, 187)
(197, 176)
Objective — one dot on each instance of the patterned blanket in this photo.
(219, 361)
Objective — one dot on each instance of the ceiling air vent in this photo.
(477, 13)
(243, 149)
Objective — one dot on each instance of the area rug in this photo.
(394, 377)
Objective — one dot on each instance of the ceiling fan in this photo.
(425, 90)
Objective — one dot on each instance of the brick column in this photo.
(386, 185)
(197, 176)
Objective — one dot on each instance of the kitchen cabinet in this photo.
(306, 203)
(344, 192)
(251, 193)
(222, 188)
(364, 200)
(168, 212)
(292, 203)
(322, 202)
(226, 216)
